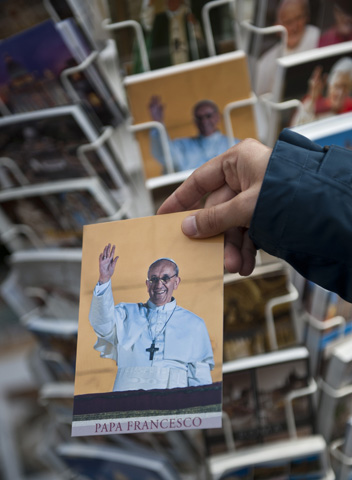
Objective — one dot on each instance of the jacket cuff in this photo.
(304, 210)
(292, 155)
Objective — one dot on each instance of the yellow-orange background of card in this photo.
(138, 243)
(222, 79)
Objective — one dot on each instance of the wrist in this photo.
(103, 280)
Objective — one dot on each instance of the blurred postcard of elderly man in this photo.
(150, 324)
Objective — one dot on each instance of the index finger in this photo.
(205, 179)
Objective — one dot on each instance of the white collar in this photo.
(217, 133)
(167, 307)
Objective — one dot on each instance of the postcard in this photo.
(156, 362)
(45, 146)
(329, 131)
(328, 320)
(155, 97)
(110, 461)
(266, 14)
(20, 16)
(55, 213)
(299, 458)
(31, 75)
(339, 369)
(335, 408)
(293, 80)
(254, 395)
(245, 324)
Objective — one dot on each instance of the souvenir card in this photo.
(174, 33)
(295, 75)
(45, 146)
(245, 318)
(197, 126)
(329, 131)
(106, 462)
(346, 468)
(264, 49)
(339, 368)
(328, 321)
(299, 458)
(57, 339)
(17, 17)
(55, 212)
(335, 408)
(31, 66)
(153, 361)
(255, 391)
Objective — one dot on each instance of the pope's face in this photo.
(293, 17)
(343, 22)
(161, 282)
(339, 90)
(206, 119)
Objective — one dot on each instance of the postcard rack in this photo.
(232, 106)
(236, 5)
(247, 28)
(296, 354)
(288, 296)
(278, 453)
(139, 37)
(139, 127)
(43, 282)
(116, 460)
(29, 275)
(341, 454)
(273, 110)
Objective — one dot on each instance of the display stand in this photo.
(209, 37)
(246, 29)
(283, 452)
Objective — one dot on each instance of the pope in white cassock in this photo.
(156, 344)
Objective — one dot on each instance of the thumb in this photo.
(217, 219)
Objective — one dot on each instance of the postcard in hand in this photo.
(149, 353)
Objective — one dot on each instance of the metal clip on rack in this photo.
(113, 171)
(249, 27)
(273, 113)
(139, 37)
(230, 107)
(9, 164)
(209, 37)
(139, 127)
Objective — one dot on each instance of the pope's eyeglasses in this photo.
(164, 279)
(199, 118)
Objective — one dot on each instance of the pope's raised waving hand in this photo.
(107, 263)
(231, 183)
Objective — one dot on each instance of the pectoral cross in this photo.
(152, 349)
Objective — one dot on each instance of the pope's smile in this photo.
(162, 281)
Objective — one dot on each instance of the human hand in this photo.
(316, 83)
(107, 263)
(156, 109)
(233, 181)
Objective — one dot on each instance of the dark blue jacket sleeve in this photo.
(304, 211)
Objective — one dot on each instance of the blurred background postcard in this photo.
(149, 351)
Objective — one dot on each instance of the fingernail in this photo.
(189, 226)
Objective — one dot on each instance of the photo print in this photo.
(156, 363)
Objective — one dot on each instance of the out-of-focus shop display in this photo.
(106, 106)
